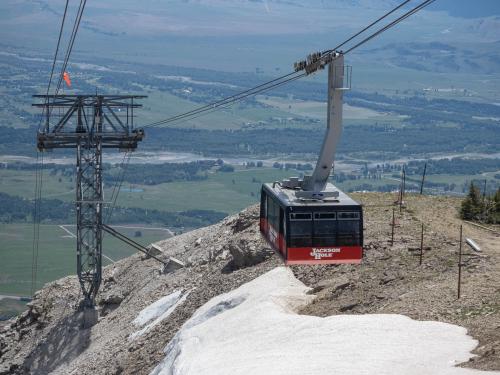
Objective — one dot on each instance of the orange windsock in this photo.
(66, 79)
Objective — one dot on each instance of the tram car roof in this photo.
(288, 197)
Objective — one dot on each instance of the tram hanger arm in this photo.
(336, 70)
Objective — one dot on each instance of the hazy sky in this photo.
(469, 8)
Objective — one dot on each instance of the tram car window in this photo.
(300, 229)
(348, 228)
(325, 228)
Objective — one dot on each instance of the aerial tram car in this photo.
(309, 220)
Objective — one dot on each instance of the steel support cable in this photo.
(224, 104)
(392, 24)
(36, 220)
(255, 91)
(117, 181)
(39, 170)
(208, 106)
(375, 34)
(220, 102)
(57, 47)
(114, 197)
(215, 106)
(40, 190)
(61, 29)
(76, 26)
(367, 27)
(35, 207)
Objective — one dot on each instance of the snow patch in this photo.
(156, 312)
(255, 330)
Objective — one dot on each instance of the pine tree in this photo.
(496, 199)
(493, 208)
(472, 206)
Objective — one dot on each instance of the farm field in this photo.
(317, 109)
(222, 191)
(228, 192)
(161, 105)
(56, 253)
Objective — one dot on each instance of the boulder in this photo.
(154, 250)
(111, 299)
(173, 265)
(244, 220)
(246, 254)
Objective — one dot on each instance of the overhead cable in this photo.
(392, 24)
(280, 80)
(74, 32)
(222, 103)
(367, 27)
(54, 60)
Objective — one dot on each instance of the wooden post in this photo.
(401, 191)
(423, 179)
(422, 244)
(402, 188)
(459, 263)
(393, 224)
(484, 191)
(404, 183)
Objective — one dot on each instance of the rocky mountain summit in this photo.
(141, 307)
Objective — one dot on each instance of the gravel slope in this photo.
(48, 337)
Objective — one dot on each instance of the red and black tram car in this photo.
(311, 232)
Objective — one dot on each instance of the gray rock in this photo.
(246, 255)
(173, 265)
(112, 299)
(348, 307)
(154, 250)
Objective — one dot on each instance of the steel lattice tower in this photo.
(89, 124)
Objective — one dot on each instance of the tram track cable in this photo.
(76, 26)
(118, 184)
(367, 27)
(39, 162)
(57, 47)
(61, 29)
(225, 103)
(220, 102)
(390, 25)
(36, 220)
(229, 105)
(211, 107)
